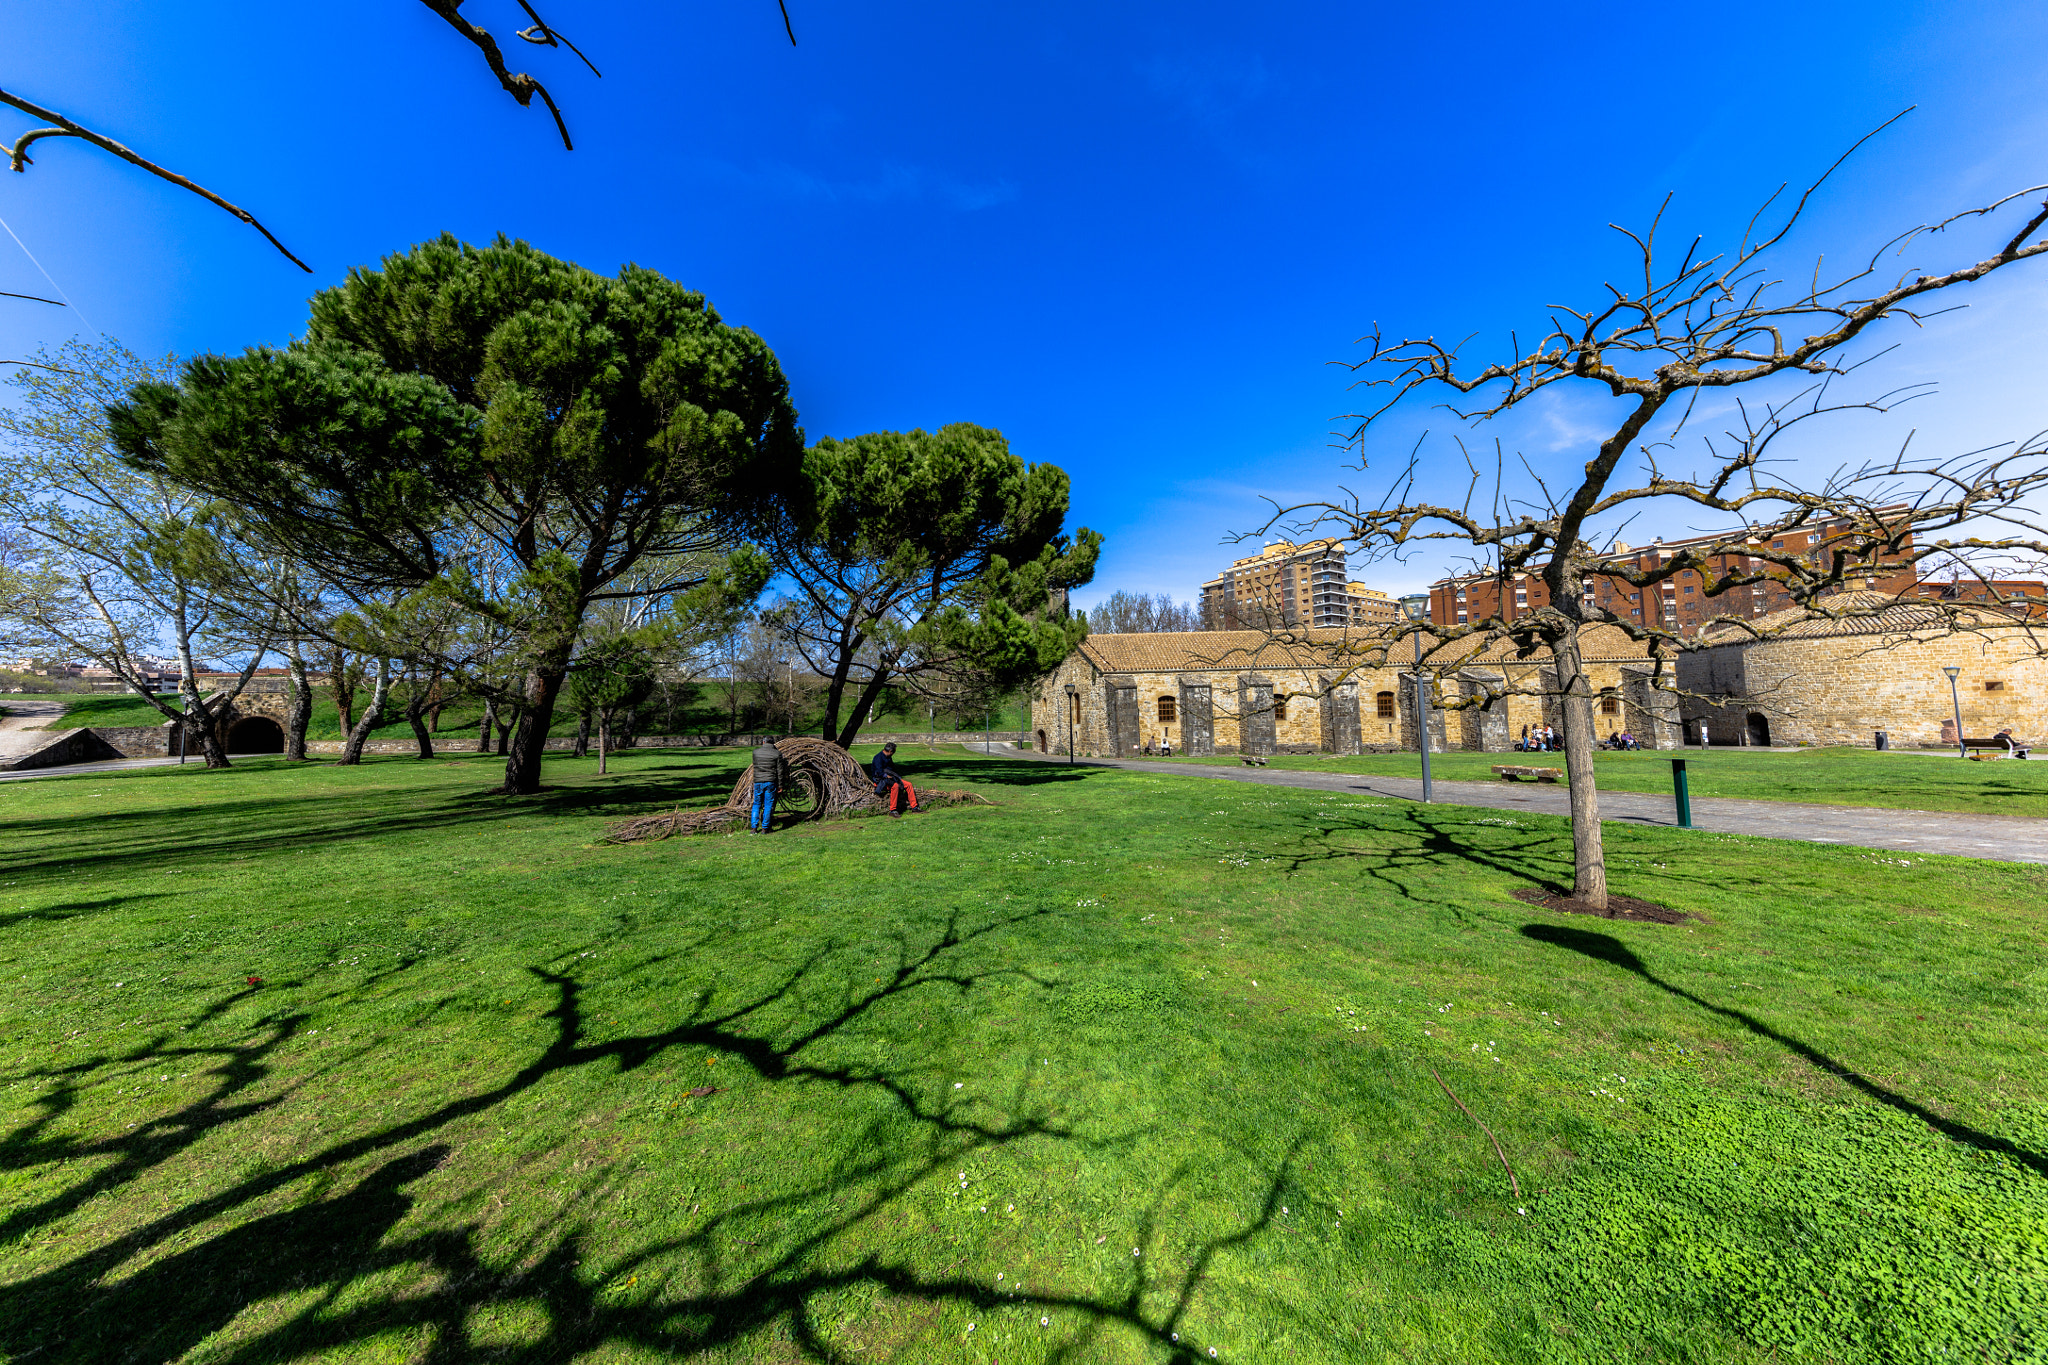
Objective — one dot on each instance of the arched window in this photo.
(1279, 709)
(1383, 706)
(1610, 704)
(1168, 711)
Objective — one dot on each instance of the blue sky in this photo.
(1133, 238)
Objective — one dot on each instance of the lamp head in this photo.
(1072, 690)
(1952, 670)
(1415, 607)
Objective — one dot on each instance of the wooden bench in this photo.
(1998, 746)
(1509, 773)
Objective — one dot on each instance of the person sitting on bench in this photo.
(891, 783)
(2013, 747)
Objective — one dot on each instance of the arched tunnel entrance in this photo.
(256, 735)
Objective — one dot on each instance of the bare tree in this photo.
(1124, 613)
(118, 551)
(1658, 344)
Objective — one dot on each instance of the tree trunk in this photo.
(301, 713)
(603, 728)
(536, 714)
(352, 752)
(1575, 708)
(507, 718)
(415, 711)
(483, 730)
(844, 739)
(583, 735)
(203, 725)
(341, 681)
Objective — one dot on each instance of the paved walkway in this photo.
(2001, 838)
(115, 765)
(28, 715)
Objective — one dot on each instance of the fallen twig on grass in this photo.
(1514, 1185)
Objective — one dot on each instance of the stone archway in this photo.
(256, 735)
(1759, 730)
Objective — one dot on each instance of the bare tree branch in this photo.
(19, 160)
(521, 87)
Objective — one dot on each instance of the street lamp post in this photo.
(1956, 698)
(1073, 705)
(1417, 609)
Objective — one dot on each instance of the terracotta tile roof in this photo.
(1869, 613)
(1239, 651)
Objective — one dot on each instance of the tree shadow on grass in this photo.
(1004, 772)
(1432, 844)
(342, 1271)
(144, 839)
(1607, 948)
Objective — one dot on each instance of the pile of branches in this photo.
(820, 781)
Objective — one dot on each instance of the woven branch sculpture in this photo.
(822, 782)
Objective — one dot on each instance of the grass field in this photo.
(1121, 1069)
(1828, 777)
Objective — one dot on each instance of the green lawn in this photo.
(1121, 1069)
(1829, 777)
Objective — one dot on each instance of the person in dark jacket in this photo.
(890, 782)
(768, 773)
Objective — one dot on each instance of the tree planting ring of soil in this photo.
(1618, 907)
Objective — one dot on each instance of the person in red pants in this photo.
(891, 782)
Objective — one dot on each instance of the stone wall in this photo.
(1263, 711)
(1842, 690)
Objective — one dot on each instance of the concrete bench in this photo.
(1254, 760)
(1509, 773)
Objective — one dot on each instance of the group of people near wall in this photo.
(1544, 739)
(770, 769)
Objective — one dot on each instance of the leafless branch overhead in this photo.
(19, 160)
(521, 87)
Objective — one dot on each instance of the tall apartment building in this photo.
(1369, 605)
(1678, 603)
(1291, 585)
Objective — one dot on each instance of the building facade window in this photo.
(1610, 705)
(1167, 712)
(1383, 706)
(1279, 709)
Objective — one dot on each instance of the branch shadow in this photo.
(142, 838)
(341, 1271)
(1606, 948)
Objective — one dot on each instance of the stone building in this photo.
(1335, 692)
(1840, 681)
